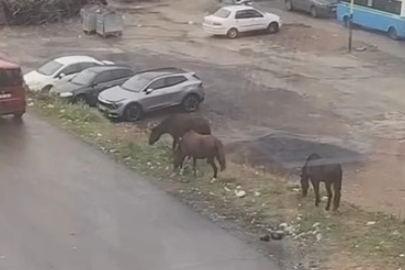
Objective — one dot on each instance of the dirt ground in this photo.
(273, 98)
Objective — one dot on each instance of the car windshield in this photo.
(84, 78)
(49, 68)
(222, 13)
(135, 84)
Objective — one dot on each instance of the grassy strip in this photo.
(350, 240)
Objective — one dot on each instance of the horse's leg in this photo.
(174, 143)
(337, 195)
(214, 167)
(328, 186)
(315, 184)
(194, 166)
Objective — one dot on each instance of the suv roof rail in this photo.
(162, 69)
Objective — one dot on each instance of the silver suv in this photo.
(152, 90)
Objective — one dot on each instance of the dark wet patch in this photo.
(282, 153)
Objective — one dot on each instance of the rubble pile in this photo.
(25, 12)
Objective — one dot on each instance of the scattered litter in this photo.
(213, 180)
(240, 193)
(50, 106)
(30, 104)
(257, 193)
(402, 255)
(190, 22)
(296, 189)
(99, 134)
(361, 49)
(277, 235)
(371, 223)
(316, 225)
(318, 237)
(227, 189)
(283, 226)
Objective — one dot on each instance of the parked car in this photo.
(12, 89)
(44, 78)
(88, 84)
(316, 8)
(223, 3)
(152, 90)
(232, 20)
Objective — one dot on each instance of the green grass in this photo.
(347, 241)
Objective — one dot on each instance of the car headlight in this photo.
(66, 94)
(116, 105)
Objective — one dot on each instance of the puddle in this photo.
(284, 153)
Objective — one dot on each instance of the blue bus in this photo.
(383, 15)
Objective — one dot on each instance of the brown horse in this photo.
(177, 125)
(200, 146)
(317, 170)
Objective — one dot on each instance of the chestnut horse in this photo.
(200, 146)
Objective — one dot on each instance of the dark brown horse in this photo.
(177, 125)
(200, 146)
(317, 170)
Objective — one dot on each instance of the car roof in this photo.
(67, 60)
(4, 64)
(159, 72)
(235, 8)
(99, 69)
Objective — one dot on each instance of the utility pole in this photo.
(349, 47)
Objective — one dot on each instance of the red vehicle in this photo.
(12, 89)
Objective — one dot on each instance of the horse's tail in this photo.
(220, 154)
(337, 186)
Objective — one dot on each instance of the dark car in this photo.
(316, 8)
(86, 85)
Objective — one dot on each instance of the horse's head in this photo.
(304, 182)
(154, 135)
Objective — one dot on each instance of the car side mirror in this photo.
(148, 91)
(61, 75)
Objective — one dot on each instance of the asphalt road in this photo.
(65, 205)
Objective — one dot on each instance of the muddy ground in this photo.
(273, 98)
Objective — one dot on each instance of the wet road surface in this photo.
(64, 205)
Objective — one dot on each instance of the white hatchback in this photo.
(47, 75)
(232, 20)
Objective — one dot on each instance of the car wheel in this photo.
(18, 115)
(191, 103)
(288, 5)
(232, 33)
(272, 28)
(393, 33)
(46, 89)
(314, 12)
(80, 99)
(133, 112)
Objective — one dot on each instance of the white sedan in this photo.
(232, 20)
(45, 77)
